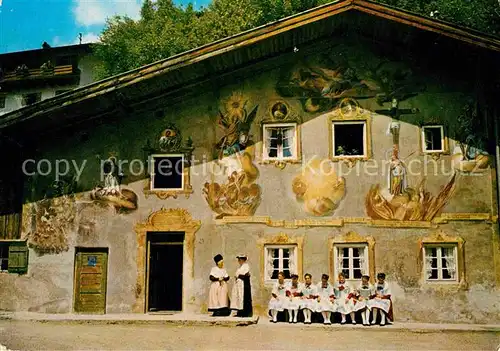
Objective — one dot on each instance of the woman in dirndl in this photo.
(278, 301)
(363, 293)
(218, 299)
(381, 300)
(344, 302)
(241, 297)
(293, 294)
(308, 302)
(326, 299)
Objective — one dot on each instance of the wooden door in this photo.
(91, 266)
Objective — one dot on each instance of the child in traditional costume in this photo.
(326, 298)
(308, 303)
(278, 300)
(381, 300)
(218, 299)
(344, 301)
(241, 297)
(363, 293)
(293, 293)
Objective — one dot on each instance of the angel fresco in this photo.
(320, 87)
(237, 194)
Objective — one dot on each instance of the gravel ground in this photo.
(19, 335)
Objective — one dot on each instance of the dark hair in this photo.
(294, 276)
(325, 276)
(367, 277)
(307, 275)
(282, 274)
(381, 276)
(341, 275)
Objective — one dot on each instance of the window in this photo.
(65, 60)
(280, 258)
(13, 257)
(167, 172)
(351, 260)
(280, 141)
(440, 263)
(30, 99)
(2, 101)
(433, 139)
(349, 139)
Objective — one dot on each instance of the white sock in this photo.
(295, 315)
(274, 313)
(304, 312)
(324, 316)
(328, 315)
(290, 315)
(363, 316)
(375, 314)
(353, 318)
(382, 320)
(367, 314)
(343, 318)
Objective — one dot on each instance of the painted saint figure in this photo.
(218, 299)
(241, 297)
(397, 177)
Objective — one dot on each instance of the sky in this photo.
(26, 24)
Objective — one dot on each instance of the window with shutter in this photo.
(17, 259)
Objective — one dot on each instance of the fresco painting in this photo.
(319, 188)
(237, 194)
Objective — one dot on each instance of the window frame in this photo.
(296, 140)
(439, 257)
(23, 269)
(294, 249)
(152, 174)
(423, 144)
(364, 269)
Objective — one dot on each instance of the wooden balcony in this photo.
(32, 78)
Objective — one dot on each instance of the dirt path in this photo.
(48, 336)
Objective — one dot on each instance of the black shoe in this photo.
(342, 323)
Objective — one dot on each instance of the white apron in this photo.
(343, 303)
(363, 294)
(324, 296)
(308, 300)
(377, 302)
(280, 302)
(293, 302)
(218, 293)
(237, 292)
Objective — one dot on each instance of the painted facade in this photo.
(392, 199)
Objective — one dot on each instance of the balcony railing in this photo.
(38, 73)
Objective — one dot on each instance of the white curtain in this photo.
(361, 252)
(448, 254)
(340, 259)
(292, 263)
(269, 263)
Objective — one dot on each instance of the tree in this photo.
(166, 29)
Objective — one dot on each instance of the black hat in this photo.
(325, 276)
(242, 256)
(381, 275)
(218, 258)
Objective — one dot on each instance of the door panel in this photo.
(90, 281)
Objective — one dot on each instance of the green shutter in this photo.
(18, 258)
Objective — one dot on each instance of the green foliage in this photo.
(166, 29)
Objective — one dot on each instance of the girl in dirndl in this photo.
(293, 294)
(363, 293)
(218, 299)
(278, 301)
(326, 299)
(308, 302)
(344, 301)
(381, 300)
